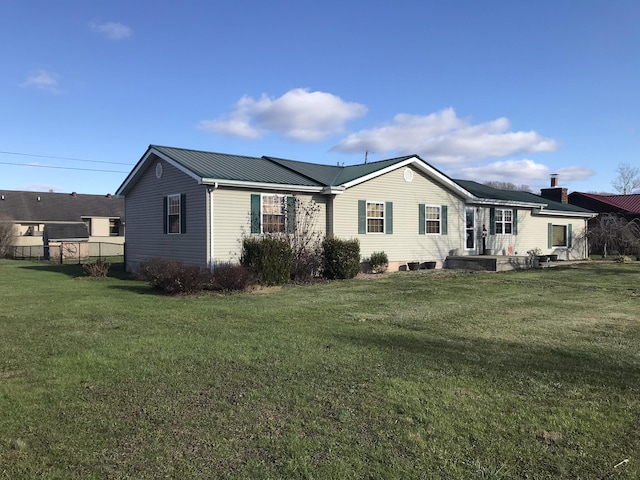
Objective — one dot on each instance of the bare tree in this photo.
(609, 233)
(508, 186)
(6, 235)
(627, 180)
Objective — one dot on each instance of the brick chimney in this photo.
(555, 193)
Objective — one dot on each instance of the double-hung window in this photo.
(175, 219)
(274, 211)
(433, 218)
(173, 214)
(375, 217)
(504, 221)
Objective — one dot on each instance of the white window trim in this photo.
(427, 219)
(384, 218)
(262, 214)
(169, 214)
(503, 222)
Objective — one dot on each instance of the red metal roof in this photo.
(630, 203)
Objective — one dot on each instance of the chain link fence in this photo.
(70, 252)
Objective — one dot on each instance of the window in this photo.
(114, 227)
(432, 217)
(375, 217)
(173, 214)
(504, 221)
(274, 208)
(559, 236)
(272, 213)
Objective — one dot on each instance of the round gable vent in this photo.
(158, 170)
(408, 175)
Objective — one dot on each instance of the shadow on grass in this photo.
(71, 270)
(137, 288)
(505, 360)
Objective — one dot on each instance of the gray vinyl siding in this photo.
(406, 243)
(145, 218)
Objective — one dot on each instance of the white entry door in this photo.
(470, 219)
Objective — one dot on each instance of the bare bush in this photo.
(6, 235)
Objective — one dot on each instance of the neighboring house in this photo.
(627, 206)
(196, 206)
(40, 217)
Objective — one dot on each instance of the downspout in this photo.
(210, 190)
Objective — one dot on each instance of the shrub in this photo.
(269, 257)
(378, 262)
(174, 277)
(307, 264)
(97, 269)
(230, 277)
(625, 259)
(341, 258)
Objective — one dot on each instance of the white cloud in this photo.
(112, 30)
(446, 139)
(569, 174)
(519, 172)
(42, 187)
(297, 115)
(42, 80)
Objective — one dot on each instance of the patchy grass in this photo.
(429, 374)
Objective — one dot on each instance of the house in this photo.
(43, 217)
(196, 206)
(627, 206)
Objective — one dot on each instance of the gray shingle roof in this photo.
(42, 207)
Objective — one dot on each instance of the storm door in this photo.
(470, 220)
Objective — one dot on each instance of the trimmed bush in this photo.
(378, 262)
(341, 258)
(269, 257)
(228, 277)
(174, 277)
(97, 269)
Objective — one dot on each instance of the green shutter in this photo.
(515, 222)
(569, 236)
(165, 208)
(444, 219)
(291, 214)
(492, 221)
(549, 235)
(183, 213)
(388, 221)
(362, 216)
(255, 213)
(421, 219)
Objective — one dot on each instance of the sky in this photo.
(510, 91)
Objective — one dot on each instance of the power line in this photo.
(63, 168)
(62, 158)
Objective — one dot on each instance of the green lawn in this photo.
(429, 374)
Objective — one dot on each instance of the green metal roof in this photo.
(221, 166)
(279, 171)
(489, 193)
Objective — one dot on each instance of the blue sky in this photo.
(483, 90)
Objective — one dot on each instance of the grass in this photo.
(429, 374)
